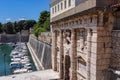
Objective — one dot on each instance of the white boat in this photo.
(24, 60)
(24, 51)
(28, 64)
(17, 53)
(16, 56)
(14, 52)
(16, 59)
(14, 63)
(12, 44)
(17, 71)
(20, 58)
(23, 57)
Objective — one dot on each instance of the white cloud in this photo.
(8, 19)
(21, 19)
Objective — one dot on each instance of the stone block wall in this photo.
(5, 38)
(43, 52)
(115, 57)
(116, 48)
(46, 37)
(104, 51)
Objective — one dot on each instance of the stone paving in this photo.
(38, 75)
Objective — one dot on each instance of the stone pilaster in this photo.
(54, 50)
(89, 32)
(104, 49)
(73, 55)
(61, 55)
(100, 19)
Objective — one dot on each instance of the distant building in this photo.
(86, 39)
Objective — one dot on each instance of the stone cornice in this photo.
(72, 13)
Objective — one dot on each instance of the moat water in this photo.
(4, 65)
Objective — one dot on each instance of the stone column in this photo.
(89, 34)
(73, 55)
(61, 55)
(54, 50)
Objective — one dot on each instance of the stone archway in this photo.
(67, 67)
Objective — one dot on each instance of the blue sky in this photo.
(15, 10)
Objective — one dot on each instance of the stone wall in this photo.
(46, 37)
(115, 60)
(43, 52)
(6, 38)
(116, 48)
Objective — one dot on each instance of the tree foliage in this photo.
(28, 24)
(1, 28)
(38, 30)
(43, 17)
(43, 23)
(14, 27)
(8, 28)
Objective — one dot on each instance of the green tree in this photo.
(38, 30)
(8, 27)
(43, 17)
(47, 24)
(43, 23)
(15, 26)
(21, 24)
(1, 28)
(28, 24)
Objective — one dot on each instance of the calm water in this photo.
(7, 50)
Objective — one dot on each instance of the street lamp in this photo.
(4, 63)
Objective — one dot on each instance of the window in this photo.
(91, 20)
(69, 3)
(55, 9)
(58, 7)
(52, 10)
(76, 22)
(61, 6)
(65, 4)
(80, 21)
(117, 21)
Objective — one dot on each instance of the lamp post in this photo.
(4, 63)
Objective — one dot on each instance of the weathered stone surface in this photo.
(116, 48)
(89, 44)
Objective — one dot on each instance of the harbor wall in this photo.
(23, 37)
(43, 52)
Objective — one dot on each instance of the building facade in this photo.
(85, 34)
